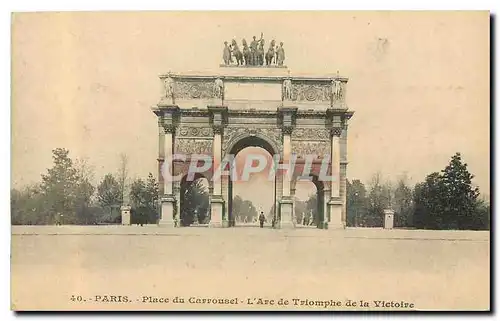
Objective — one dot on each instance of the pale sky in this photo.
(418, 83)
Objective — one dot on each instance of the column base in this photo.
(335, 210)
(167, 218)
(217, 212)
(286, 214)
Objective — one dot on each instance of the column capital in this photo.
(218, 129)
(218, 118)
(287, 130)
(338, 116)
(168, 117)
(287, 119)
(336, 131)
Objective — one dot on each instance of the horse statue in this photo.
(246, 52)
(237, 53)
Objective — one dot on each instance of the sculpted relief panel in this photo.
(310, 134)
(303, 148)
(193, 146)
(189, 132)
(194, 89)
(307, 92)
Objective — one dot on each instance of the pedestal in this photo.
(167, 212)
(335, 210)
(125, 215)
(216, 212)
(286, 211)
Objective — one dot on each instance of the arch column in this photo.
(335, 203)
(292, 196)
(217, 203)
(287, 118)
(167, 120)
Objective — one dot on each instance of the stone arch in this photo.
(237, 144)
(271, 146)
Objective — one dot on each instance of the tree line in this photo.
(445, 200)
(65, 195)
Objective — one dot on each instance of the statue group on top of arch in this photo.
(253, 54)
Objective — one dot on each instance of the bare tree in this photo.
(84, 169)
(123, 176)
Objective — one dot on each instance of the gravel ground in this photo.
(304, 268)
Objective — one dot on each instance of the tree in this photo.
(109, 197)
(403, 204)
(27, 206)
(357, 203)
(248, 211)
(236, 205)
(300, 210)
(379, 197)
(482, 217)
(447, 200)
(83, 202)
(144, 199)
(427, 213)
(84, 192)
(460, 196)
(194, 198)
(151, 198)
(123, 176)
(137, 199)
(58, 188)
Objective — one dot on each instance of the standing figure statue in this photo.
(226, 54)
(253, 49)
(270, 54)
(280, 55)
(246, 52)
(219, 88)
(287, 89)
(169, 87)
(237, 53)
(260, 54)
(336, 90)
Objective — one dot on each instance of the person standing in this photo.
(262, 218)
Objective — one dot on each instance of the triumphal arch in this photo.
(219, 113)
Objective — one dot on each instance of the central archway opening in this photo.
(252, 193)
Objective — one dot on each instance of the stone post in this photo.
(125, 215)
(168, 115)
(177, 204)
(335, 204)
(217, 204)
(388, 219)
